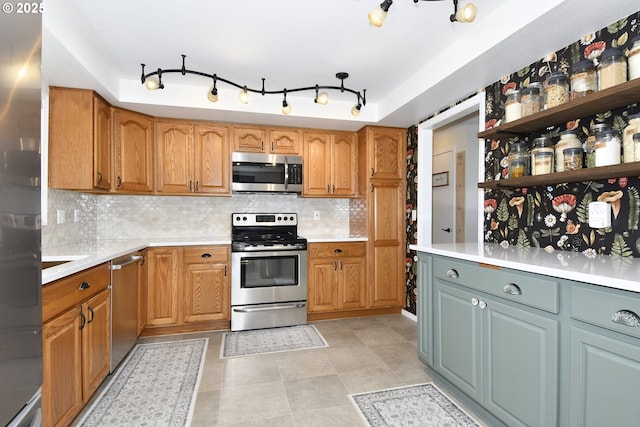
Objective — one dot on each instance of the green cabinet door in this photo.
(605, 376)
(520, 365)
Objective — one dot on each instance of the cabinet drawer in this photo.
(68, 292)
(206, 254)
(600, 307)
(336, 249)
(533, 290)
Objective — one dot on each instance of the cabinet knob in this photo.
(84, 285)
(453, 274)
(474, 301)
(512, 289)
(482, 305)
(626, 318)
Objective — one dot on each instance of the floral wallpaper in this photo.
(412, 226)
(555, 217)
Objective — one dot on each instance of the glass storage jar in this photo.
(628, 146)
(612, 69)
(512, 107)
(636, 142)
(590, 144)
(607, 148)
(518, 160)
(556, 89)
(530, 100)
(572, 158)
(634, 58)
(542, 156)
(584, 79)
(568, 139)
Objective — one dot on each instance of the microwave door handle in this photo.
(286, 173)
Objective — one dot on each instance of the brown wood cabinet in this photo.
(80, 156)
(76, 342)
(381, 154)
(330, 164)
(337, 276)
(254, 139)
(188, 285)
(192, 158)
(133, 151)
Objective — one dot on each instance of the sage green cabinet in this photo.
(425, 310)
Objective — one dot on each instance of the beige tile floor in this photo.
(309, 387)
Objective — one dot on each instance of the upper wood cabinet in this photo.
(266, 140)
(79, 140)
(386, 151)
(192, 158)
(330, 164)
(133, 151)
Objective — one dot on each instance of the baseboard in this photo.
(409, 315)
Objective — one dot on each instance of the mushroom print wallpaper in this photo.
(555, 217)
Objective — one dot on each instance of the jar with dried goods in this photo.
(531, 100)
(608, 148)
(584, 79)
(518, 160)
(512, 107)
(556, 89)
(590, 144)
(542, 156)
(568, 139)
(573, 158)
(628, 146)
(633, 57)
(612, 69)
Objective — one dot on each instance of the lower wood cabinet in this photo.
(336, 276)
(187, 285)
(76, 342)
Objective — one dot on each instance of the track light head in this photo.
(355, 111)
(244, 96)
(379, 13)
(466, 13)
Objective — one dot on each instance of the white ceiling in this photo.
(416, 64)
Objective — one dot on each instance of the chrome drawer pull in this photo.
(453, 274)
(512, 289)
(626, 318)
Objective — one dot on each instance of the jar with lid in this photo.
(512, 107)
(590, 144)
(628, 146)
(584, 79)
(607, 148)
(636, 142)
(540, 86)
(518, 160)
(612, 69)
(530, 100)
(556, 89)
(633, 57)
(542, 156)
(573, 158)
(568, 139)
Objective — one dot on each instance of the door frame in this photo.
(425, 154)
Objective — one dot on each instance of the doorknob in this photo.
(448, 230)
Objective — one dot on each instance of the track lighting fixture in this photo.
(153, 81)
(466, 13)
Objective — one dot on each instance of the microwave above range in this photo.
(266, 173)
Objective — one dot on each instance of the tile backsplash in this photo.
(124, 217)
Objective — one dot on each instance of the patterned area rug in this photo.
(261, 341)
(155, 386)
(421, 405)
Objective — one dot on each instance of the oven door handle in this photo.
(286, 173)
(269, 308)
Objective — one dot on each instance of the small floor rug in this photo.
(156, 385)
(421, 405)
(261, 341)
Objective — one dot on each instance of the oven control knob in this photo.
(244, 218)
(279, 218)
(291, 218)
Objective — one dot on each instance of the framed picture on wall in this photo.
(440, 179)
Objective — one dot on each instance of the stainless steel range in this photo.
(268, 271)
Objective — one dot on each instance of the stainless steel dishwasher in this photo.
(124, 305)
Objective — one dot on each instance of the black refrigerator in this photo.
(20, 210)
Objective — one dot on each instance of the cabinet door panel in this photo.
(212, 159)
(174, 157)
(284, 141)
(521, 365)
(344, 165)
(133, 145)
(317, 164)
(323, 292)
(206, 292)
(162, 286)
(386, 289)
(387, 212)
(249, 139)
(96, 342)
(102, 144)
(388, 146)
(352, 283)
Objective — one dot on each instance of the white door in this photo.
(443, 212)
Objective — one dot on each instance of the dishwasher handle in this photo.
(133, 259)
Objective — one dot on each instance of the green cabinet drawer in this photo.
(609, 308)
(536, 291)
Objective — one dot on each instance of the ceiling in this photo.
(417, 63)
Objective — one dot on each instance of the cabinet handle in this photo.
(371, 171)
(474, 301)
(190, 185)
(119, 182)
(271, 145)
(261, 145)
(99, 177)
(337, 251)
(335, 265)
(84, 285)
(92, 314)
(333, 188)
(626, 318)
(205, 255)
(83, 320)
(452, 274)
(328, 188)
(197, 186)
(225, 271)
(372, 188)
(482, 305)
(341, 265)
(512, 289)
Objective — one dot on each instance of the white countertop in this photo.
(610, 271)
(335, 239)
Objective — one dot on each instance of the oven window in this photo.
(269, 271)
(258, 173)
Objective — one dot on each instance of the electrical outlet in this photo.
(316, 215)
(60, 216)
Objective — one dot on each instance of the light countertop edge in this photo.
(610, 271)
